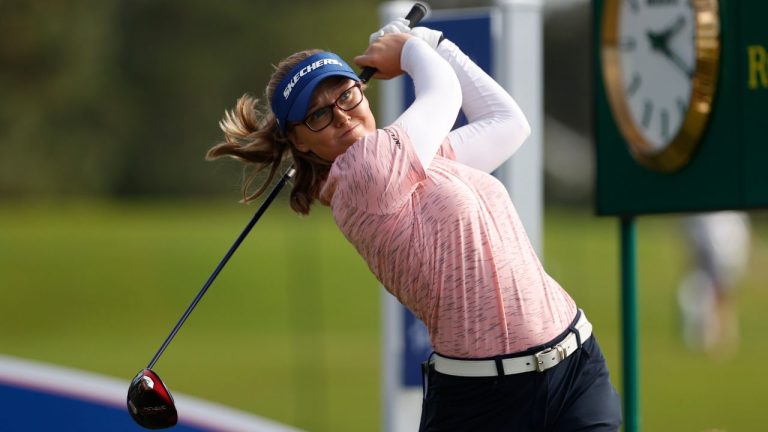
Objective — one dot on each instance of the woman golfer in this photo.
(513, 352)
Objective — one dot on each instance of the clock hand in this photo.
(675, 27)
(679, 62)
(660, 42)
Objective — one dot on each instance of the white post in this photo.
(390, 91)
(519, 70)
(400, 409)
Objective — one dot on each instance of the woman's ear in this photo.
(294, 138)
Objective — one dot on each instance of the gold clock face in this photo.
(660, 61)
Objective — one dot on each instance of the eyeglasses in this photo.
(320, 118)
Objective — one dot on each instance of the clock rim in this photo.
(680, 149)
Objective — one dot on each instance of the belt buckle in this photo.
(540, 363)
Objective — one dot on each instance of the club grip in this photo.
(416, 14)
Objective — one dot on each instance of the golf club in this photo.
(416, 14)
(149, 402)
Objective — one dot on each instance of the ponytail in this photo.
(250, 137)
(253, 136)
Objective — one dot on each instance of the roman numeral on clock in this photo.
(647, 114)
(634, 84)
(664, 117)
(627, 43)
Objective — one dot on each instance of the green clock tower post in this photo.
(681, 122)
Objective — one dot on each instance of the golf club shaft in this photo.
(267, 201)
(417, 12)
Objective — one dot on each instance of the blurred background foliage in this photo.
(121, 98)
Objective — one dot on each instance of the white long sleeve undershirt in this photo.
(431, 116)
(496, 125)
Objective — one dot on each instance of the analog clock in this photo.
(660, 61)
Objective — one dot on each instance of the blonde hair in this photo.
(252, 135)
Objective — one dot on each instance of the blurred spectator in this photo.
(719, 245)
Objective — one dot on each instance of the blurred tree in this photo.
(56, 77)
(123, 97)
(185, 62)
(568, 61)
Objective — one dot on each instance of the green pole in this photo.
(629, 324)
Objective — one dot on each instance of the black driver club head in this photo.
(149, 401)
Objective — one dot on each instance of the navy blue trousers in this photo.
(575, 395)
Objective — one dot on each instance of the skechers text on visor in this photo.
(294, 93)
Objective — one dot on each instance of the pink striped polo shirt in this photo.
(448, 244)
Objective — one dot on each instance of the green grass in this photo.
(291, 326)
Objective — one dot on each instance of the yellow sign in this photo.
(757, 59)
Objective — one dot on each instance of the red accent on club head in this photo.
(149, 401)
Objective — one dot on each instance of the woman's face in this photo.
(338, 116)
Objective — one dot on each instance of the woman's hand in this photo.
(384, 55)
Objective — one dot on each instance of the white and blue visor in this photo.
(293, 95)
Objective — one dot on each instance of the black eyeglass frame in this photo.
(335, 104)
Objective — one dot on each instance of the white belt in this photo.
(539, 361)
